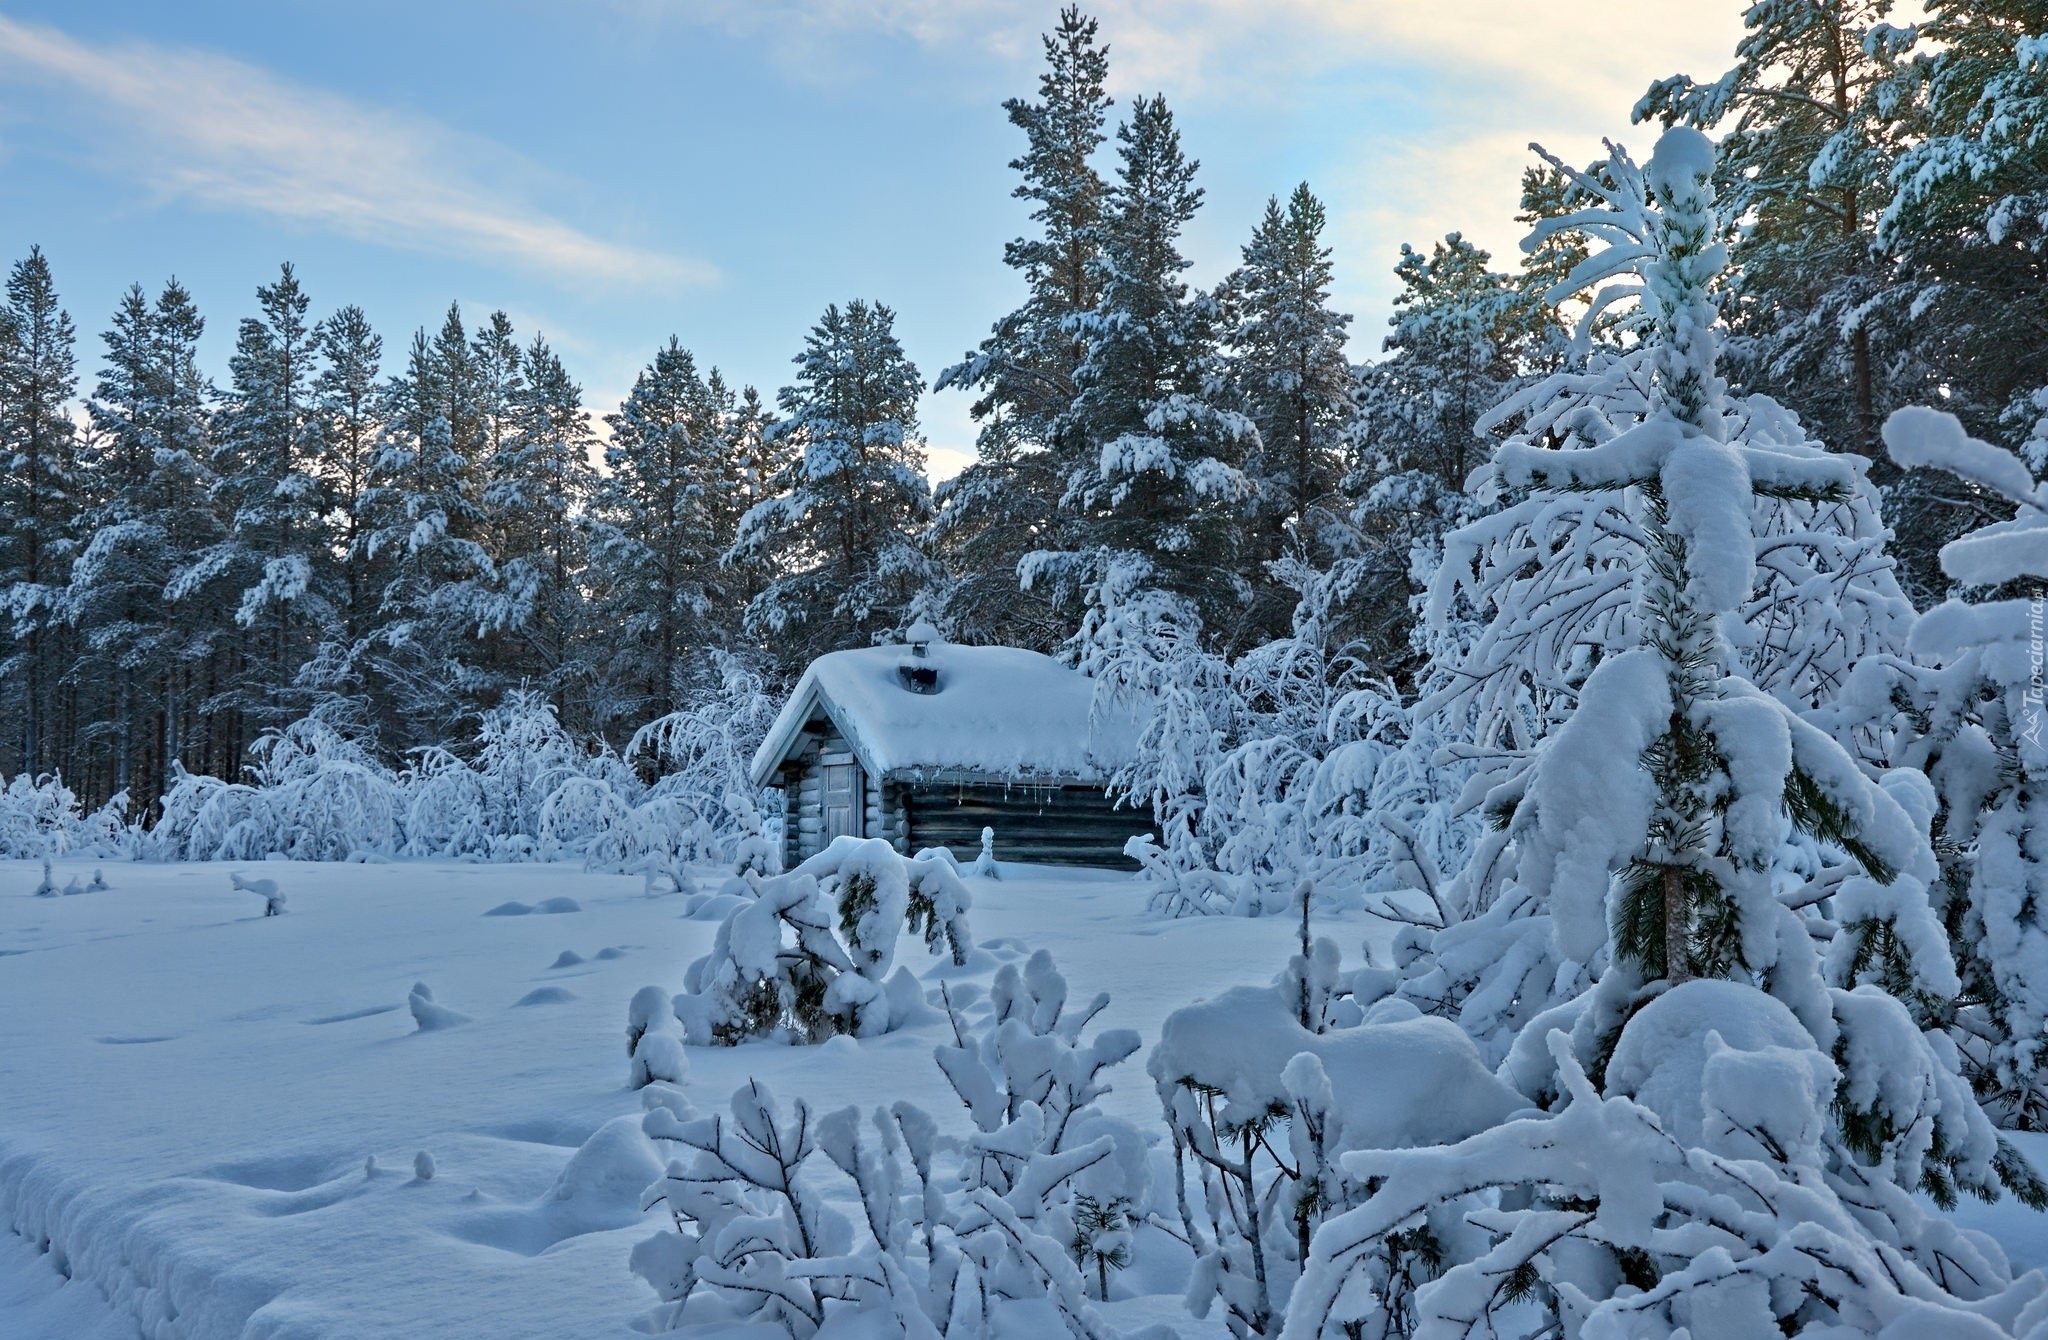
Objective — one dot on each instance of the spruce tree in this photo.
(678, 478)
(1152, 496)
(837, 539)
(347, 405)
(538, 481)
(421, 656)
(1288, 373)
(148, 614)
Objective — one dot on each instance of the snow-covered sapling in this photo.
(99, 882)
(73, 888)
(985, 864)
(423, 1166)
(48, 888)
(266, 889)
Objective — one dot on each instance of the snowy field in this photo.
(192, 1091)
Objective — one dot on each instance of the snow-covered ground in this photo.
(189, 1091)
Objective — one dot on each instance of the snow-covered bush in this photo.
(1046, 1187)
(812, 953)
(491, 808)
(701, 757)
(654, 1045)
(1695, 1197)
(525, 791)
(1029, 1084)
(314, 795)
(1264, 1088)
(40, 816)
(1975, 703)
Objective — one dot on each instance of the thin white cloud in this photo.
(199, 126)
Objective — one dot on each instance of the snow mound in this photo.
(429, 1015)
(557, 906)
(546, 995)
(510, 909)
(568, 958)
(597, 1190)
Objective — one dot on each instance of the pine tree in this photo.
(837, 538)
(346, 413)
(1970, 216)
(1005, 504)
(1289, 375)
(40, 493)
(1805, 162)
(539, 480)
(421, 654)
(1152, 496)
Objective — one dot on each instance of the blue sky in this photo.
(613, 171)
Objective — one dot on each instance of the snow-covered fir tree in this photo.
(1459, 344)
(347, 409)
(1693, 1003)
(146, 616)
(420, 658)
(531, 613)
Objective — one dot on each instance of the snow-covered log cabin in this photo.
(926, 744)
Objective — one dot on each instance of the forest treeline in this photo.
(393, 537)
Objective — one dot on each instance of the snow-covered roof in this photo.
(999, 711)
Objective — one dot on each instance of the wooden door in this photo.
(843, 800)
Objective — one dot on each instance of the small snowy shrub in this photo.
(810, 953)
(266, 889)
(1262, 1108)
(1030, 1084)
(1047, 1186)
(985, 864)
(652, 1044)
